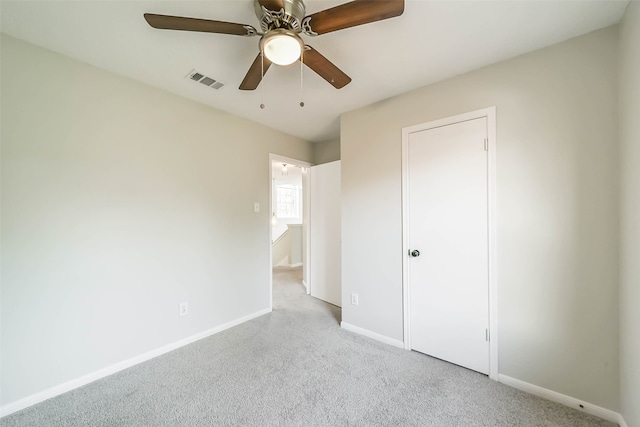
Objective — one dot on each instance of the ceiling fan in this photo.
(282, 22)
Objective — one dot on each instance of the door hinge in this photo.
(486, 144)
(486, 335)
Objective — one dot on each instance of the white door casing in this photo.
(448, 209)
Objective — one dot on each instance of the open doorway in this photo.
(289, 210)
(305, 229)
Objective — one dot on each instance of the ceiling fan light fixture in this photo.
(282, 47)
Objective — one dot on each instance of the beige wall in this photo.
(326, 152)
(120, 201)
(630, 214)
(557, 210)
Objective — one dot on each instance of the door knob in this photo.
(415, 253)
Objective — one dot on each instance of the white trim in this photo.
(306, 287)
(373, 335)
(490, 114)
(493, 254)
(572, 402)
(284, 262)
(109, 370)
(296, 265)
(281, 236)
(405, 240)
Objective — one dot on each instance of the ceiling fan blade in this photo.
(357, 12)
(254, 77)
(325, 68)
(274, 5)
(167, 22)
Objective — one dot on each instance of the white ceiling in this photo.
(293, 176)
(431, 41)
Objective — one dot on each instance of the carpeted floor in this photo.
(296, 367)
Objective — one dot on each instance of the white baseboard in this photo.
(109, 370)
(572, 402)
(373, 335)
(284, 262)
(295, 265)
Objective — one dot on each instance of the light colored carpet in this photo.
(296, 367)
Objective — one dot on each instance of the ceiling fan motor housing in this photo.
(289, 17)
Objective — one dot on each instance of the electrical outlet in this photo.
(256, 207)
(354, 299)
(184, 308)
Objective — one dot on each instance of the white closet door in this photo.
(325, 266)
(448, 225)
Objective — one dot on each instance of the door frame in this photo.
(305, 216)
(490, 114)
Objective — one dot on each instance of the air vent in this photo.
(205, 80)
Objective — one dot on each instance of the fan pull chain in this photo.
(301, 77)
(261, 79)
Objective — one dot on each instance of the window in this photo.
(288, 201)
